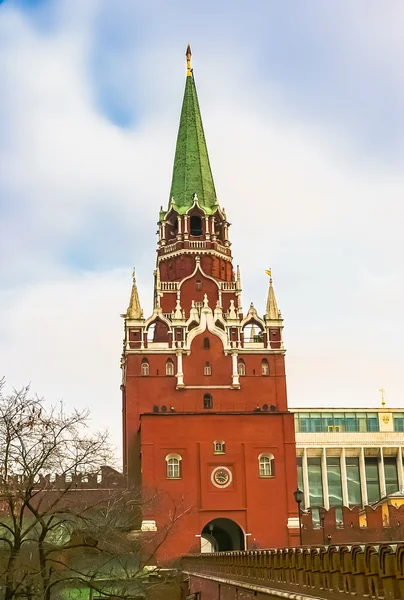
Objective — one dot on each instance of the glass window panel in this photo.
(390, 474)
(350, 422)
(353, 480)
(372, 479)
(334, 481)
(362, 421)
(315, 482)
(304, 420)
(339, 421)
(327, 421)
(398, 422)
(315, 422)
(297, 429)
(372, 422)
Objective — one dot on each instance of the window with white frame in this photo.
(145, 368)
(265, 367)
(173, 466)
(207, 370)
(241, 367)
(266, 465)
(169, 367)
(219, 446)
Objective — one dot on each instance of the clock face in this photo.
(221, 477)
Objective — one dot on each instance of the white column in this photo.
(179, 225)
(305, 479)
(326, 499)
(163, 233)
(213, 225)
(400, 471)
(180, 374)
(235, 379)
(186, 226)
(207, 232)
(344, 479)
(226, 232)
(382, 478)
(362, 473)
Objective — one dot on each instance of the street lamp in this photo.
(299, 496)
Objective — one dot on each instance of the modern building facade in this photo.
(205, 413)
(350, 456)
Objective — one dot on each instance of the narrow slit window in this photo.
(207, 401)
(207, 370)
(169, 368)
(265, 367)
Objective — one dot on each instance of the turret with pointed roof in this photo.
(192, 173)
(134, 309)
(272, 312)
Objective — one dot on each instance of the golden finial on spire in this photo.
(188, 54)
(383, 400)
(269, 273)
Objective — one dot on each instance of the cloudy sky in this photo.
(302, 104)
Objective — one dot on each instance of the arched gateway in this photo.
(222, 535)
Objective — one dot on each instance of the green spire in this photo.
(192, 173)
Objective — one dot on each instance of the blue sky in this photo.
(302, 107)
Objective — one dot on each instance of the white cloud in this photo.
(300, 199)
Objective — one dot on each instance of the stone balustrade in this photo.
(371, 571)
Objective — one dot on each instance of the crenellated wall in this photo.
(332, 572)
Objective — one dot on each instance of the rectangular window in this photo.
(339, 421)
(398, 420)
(315, 422)
(390, 475)
(362, 422)
(327, 421)
(353, 479)
(315, 482)
(350, 422)
(372, 479)
(334, 481)
(372, 422)
(297, 429)
(304, 419)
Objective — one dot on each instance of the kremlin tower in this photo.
(205, 415)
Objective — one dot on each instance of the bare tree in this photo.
(68, 529)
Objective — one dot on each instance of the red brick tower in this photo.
(205, 415)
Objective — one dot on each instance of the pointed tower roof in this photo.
(272, 312)
(191, 173)
(134, 309)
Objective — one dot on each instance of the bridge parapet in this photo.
(371, 571)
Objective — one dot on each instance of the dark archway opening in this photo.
(196, 226)
(222, 535)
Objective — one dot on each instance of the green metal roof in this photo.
(192, 173)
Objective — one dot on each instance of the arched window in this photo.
(145, 368)
(206, 343)
(219, 447)
(173, 466)
(169, 367)
(241, 367)
(265, 367)
(207, 370)
(207, 401)
(198, 285)
(266, 465)
(196, 225)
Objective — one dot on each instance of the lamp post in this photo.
(299, 496)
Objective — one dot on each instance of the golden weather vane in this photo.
(269, 272)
